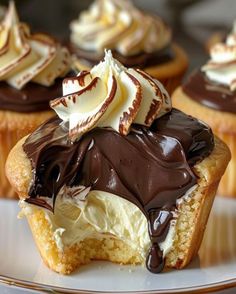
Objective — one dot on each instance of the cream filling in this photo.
(100, 215)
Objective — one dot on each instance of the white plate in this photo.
(215, 267)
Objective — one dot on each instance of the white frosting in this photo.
(99, 215)
(26, 57)
(117, 24)
(110, 95)
(221, 68)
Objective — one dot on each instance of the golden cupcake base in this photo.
(223, 125)
(13, 127)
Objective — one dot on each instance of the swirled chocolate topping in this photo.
(150, 167)
(210, 93)
(31, 98)
(140, 60)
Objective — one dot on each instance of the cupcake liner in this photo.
(13, 127)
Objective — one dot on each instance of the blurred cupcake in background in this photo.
(137, 39)
(214, 39)
(31, 71)
(2, 12)
(219, 37)
(210, 95)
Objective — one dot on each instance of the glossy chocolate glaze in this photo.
(209, 93)
(142, 60)
(149, 167)
(32, 98)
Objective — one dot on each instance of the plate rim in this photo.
(23, 284)
(9, 281)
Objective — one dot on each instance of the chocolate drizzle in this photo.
(141, 60)
(209, 93)
(158, 227)
(149, 167)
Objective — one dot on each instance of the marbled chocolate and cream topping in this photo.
(110, 95)
(118, 25)
(221, 68)
(27, 57)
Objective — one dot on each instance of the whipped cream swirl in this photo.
(26, 57)
(118, 25)
(221, 68)
(110, 95)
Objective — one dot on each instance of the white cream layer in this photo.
(100, 215)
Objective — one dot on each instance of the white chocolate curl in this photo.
(118, 25)
(221, 68)
(110, 95)
(26, 57)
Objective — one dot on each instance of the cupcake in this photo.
(119, 175)
(136, 39)
(31, 71)
(210, 94)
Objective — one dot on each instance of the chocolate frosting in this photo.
(141, 60)
(149, 167)
(209, 93)
(32, 98)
